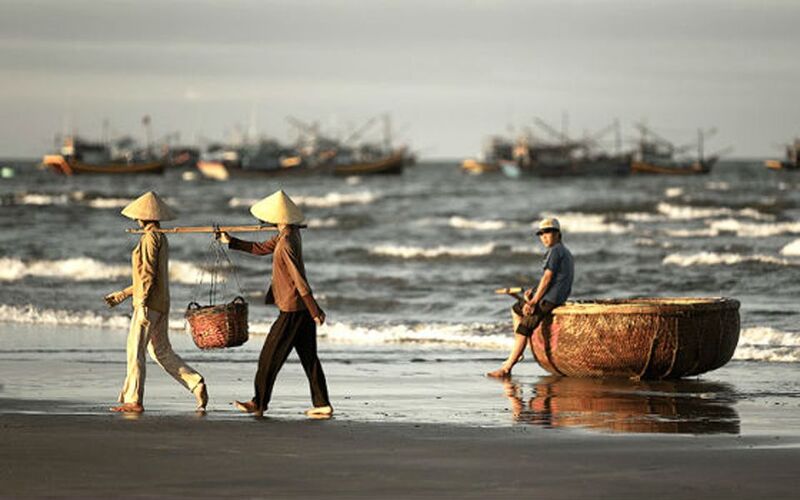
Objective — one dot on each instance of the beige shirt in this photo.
(289, 289)
(150, 269)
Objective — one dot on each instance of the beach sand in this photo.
(411, 421)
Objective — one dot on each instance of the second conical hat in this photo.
(278, 208)
(148, 206)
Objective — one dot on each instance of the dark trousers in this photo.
(529, 322)
(292, 329)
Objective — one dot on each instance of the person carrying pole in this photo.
(149, 324)
(553, 290)
(296, 326)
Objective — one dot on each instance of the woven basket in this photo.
(223, 325)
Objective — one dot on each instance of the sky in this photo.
(448, 72)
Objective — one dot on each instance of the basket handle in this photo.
(239, 299)
(193, 305)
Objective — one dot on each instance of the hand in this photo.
(114, 299)
(528, 294)
(528, 308)
(222, 237)
(320, 318)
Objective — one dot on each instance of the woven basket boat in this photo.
(649, 338)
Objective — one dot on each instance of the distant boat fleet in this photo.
(312, 154)
(315, 153)
(561, 155)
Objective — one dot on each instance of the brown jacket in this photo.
(150, 269)
(289, 289)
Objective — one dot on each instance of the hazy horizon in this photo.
(450, 73)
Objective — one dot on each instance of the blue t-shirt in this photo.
(559, 260)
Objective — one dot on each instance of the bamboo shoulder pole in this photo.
(209, 229)
(514, 292)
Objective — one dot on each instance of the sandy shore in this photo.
(187, 456)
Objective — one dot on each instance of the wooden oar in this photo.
(209, 229)
(513, 291)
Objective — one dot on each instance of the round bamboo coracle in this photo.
(218, 326)
(649, 338)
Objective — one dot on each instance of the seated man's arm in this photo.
(544, 284)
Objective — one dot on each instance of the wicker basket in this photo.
(223, 325)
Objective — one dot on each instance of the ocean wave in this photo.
(750, 230)
(577, 222)
(718, 186)
(478, 225)
(413, 252)
(724, 259)
(86, 269)
(322, 223)
(673, 192)
(768, 344)
(472, 335)
(32, 315)
(77, 198)
(684, 212)
(329, 200)
(692, 233)
(792, 249)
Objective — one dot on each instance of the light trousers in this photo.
(152, 336)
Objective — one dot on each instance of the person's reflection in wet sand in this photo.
(619, 405)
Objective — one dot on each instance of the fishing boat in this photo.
(78, 157)
(263, 159)
(647, 338)
(792, 160)
(658, 156)
(388, 165)
(496, 150)
(564, 156)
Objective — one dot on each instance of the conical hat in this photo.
(278, 208)
(148, 206)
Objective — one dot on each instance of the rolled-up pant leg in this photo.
(161, 351)
(305, 343)
(133, 387)
(526, 324)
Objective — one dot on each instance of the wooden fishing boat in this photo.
(648, 338)
(792, 160)
(699, 167)
(71, 166)
(390, 165)
(477, 167)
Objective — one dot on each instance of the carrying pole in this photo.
(514, 292)
(209, 229)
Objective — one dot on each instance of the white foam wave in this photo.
(31, 315)
(576, 222)
(682, 212)
(642, 217)
(673, 192)
(478, 225)
(74, 198)
(322, 223)
(472, 335)
(691, 233)
(328, 201)
(86, 269)
(725, 259)
(792, 249)
(768, 344)
(412, 252)
(718, 186)
(750, 230)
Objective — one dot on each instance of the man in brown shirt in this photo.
(149, 324)
(296, 326)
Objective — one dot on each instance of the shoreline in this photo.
(187, 456)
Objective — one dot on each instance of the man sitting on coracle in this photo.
(553, 290)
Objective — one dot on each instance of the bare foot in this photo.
(248, 407)
(201, 395)
(320, 412)
(128, 408)
(499, 373)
